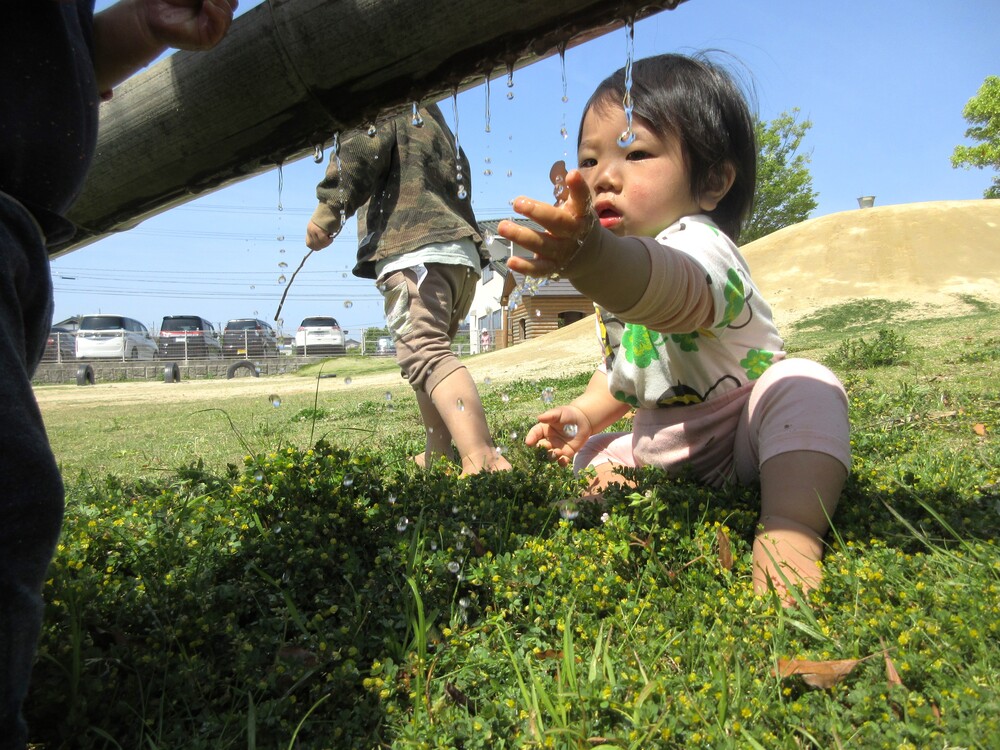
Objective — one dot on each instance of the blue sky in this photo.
(883, 83)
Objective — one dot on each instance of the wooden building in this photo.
(510, 308)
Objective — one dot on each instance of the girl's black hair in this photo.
(699, 103)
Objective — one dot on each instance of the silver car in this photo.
(114, 337)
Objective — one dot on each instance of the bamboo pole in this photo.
(291, 73)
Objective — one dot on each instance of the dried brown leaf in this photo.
(725, 549)
(980, 429)
(820, 674)
(890, 669)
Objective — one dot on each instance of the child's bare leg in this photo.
(799, 493)
(457, 404)
(437, 434)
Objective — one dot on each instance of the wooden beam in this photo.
(291, 73)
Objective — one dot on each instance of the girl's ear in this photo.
(718, 185)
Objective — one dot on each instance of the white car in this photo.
(114, 337)
(319, 335)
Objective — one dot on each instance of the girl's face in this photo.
(638, 190)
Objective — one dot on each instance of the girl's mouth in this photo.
(609, 218)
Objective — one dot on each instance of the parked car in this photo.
(114, 337)
(249, 337)
(319, 335)
(188, 337)
(61, 345)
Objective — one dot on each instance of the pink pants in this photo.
(796, 405)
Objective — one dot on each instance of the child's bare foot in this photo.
(494, 462)
(420, 460)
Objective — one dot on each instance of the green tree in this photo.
(785, 194)
(982, 112)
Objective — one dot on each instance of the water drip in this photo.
(416, 120)
(318, 153)
(487, 102)
(281, 186)
(462, 192)
(628, 136)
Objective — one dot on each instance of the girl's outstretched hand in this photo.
(567, 224)
(561, 431)
(189, 24)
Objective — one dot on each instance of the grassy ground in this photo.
(275, 592)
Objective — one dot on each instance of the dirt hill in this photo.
(928, 253)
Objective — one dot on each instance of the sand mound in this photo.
(927, 253)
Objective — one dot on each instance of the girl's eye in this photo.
(585, 163)
(638, 155)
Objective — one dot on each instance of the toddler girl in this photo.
(645, 227)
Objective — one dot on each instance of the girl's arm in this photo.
(636, 278)
(132, 33)
(564, 430)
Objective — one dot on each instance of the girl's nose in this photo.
(607, 177)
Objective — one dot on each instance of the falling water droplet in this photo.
(318, 153)
(335, 147)
(282, 279)
(416, 120)
(275, 400)
(391, 499)
(462, 192)
(510, 80)
(627, 138)
(454, 567)
(487, 380)
(388, 395)
(282, 250)
(280, 238)
(465, 602)
(281, 186)
(488, 172)
(510, 173)
(282, 264)
(347, 381)
(570, 430)
(348, 304)
(488, 237)
(487, 102)
(562, 67)
(402, 524)
(372, 130)
(538, 313)
(504, 397)
(460, 404)
(252, 287)
(569, 510)
(548, 394)
(348, 480)
(259, 476)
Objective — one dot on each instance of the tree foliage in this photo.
(785, 194)
(982, 112)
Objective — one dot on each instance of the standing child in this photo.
(420, 241)
(647, 231)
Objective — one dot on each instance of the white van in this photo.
(114, 337)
